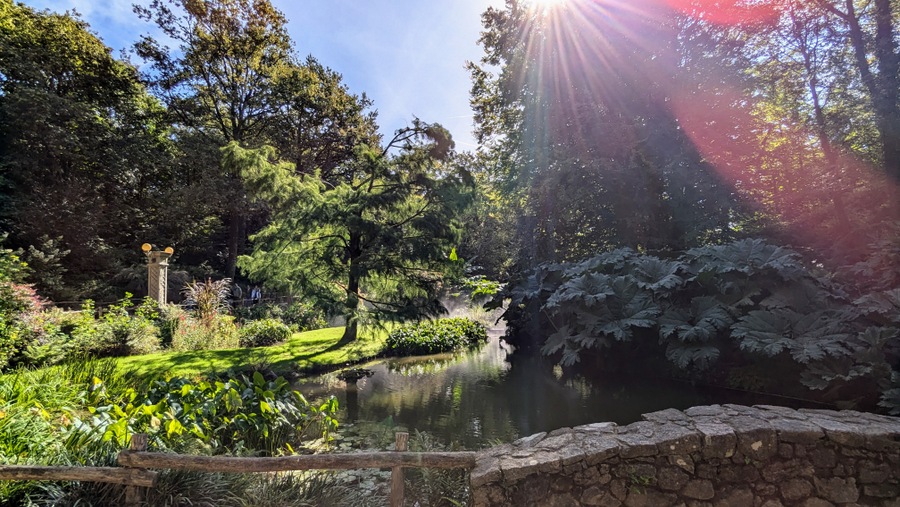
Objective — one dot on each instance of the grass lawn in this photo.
(311, 350)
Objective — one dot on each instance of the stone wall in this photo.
(717, 456)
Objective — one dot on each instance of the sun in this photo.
(545, 5)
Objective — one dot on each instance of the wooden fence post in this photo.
(134, 495)
(402, 441)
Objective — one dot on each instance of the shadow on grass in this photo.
(304, 352)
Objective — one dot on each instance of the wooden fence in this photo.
(135, 462)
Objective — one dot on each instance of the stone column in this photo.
(158, 275)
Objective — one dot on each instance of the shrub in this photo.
(261, 333)
(17, 302)
(435, 336)
(208, 299)
(302, 316)
(217, 333)
(168, 319)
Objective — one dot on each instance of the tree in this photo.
(580, 123)
(221, 82)
(372, 244)
(82, 151)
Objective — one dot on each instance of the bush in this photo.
(261, 333)
(304, 317)
(218, 332)
(299, 316)
(17, 302)
(435, 336)
(169, 318)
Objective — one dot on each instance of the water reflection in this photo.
(472, 400)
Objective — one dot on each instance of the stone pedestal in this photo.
(158, 275)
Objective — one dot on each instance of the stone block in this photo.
(797, 431)
(786, 451)
(599, 497)
(673, 439)
(781, 412)
(816, 502)
(650, 498)
(561, 483)
(516, 469)
(599, 448)
(487, 470)
(638, 440)
(837, 431)
(699, 489)
(874, 473)
(836, 489)
(796, 489)
(603, 427)
(672, 479)
(779, 471)
(683, 462)
(669, 415)
(756, 437)
(708, 411)
(823, 458)
(738, 497)
(882, 490)
(529, 440)
(718, 440)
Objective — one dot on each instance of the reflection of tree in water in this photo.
(472, 400)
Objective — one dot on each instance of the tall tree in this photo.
(370, 245)
(222, 81)
(579, 119)
(82, 151)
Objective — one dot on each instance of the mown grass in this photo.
(309, 351)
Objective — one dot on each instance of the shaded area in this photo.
(480, 398)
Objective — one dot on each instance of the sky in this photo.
(407, 55)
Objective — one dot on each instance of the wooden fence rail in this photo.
(135, 462)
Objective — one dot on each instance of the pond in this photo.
(492, 395)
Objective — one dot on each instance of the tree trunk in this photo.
(235, 228)
(351, 305)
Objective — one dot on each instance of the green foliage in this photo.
(67, 416)
(227, 416)
(435, 336)
(371, 244)
(83, 148)
(217, 332)
(302, 316)
(261, 333)
(742, 301)
(208, 299)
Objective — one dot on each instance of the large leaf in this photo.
(806, 337)
(701, 356)
(747, 256)
(885, 303)
(701, 323)
(590, 289)
(656, 274)
(627, 308)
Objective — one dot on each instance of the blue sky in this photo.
(407, 55)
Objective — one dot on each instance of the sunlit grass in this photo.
(303, 351)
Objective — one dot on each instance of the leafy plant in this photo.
(435, 336)
(742, 301)
(209, 299)
(260, 333)
(217, 332)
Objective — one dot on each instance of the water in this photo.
(489, 396)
